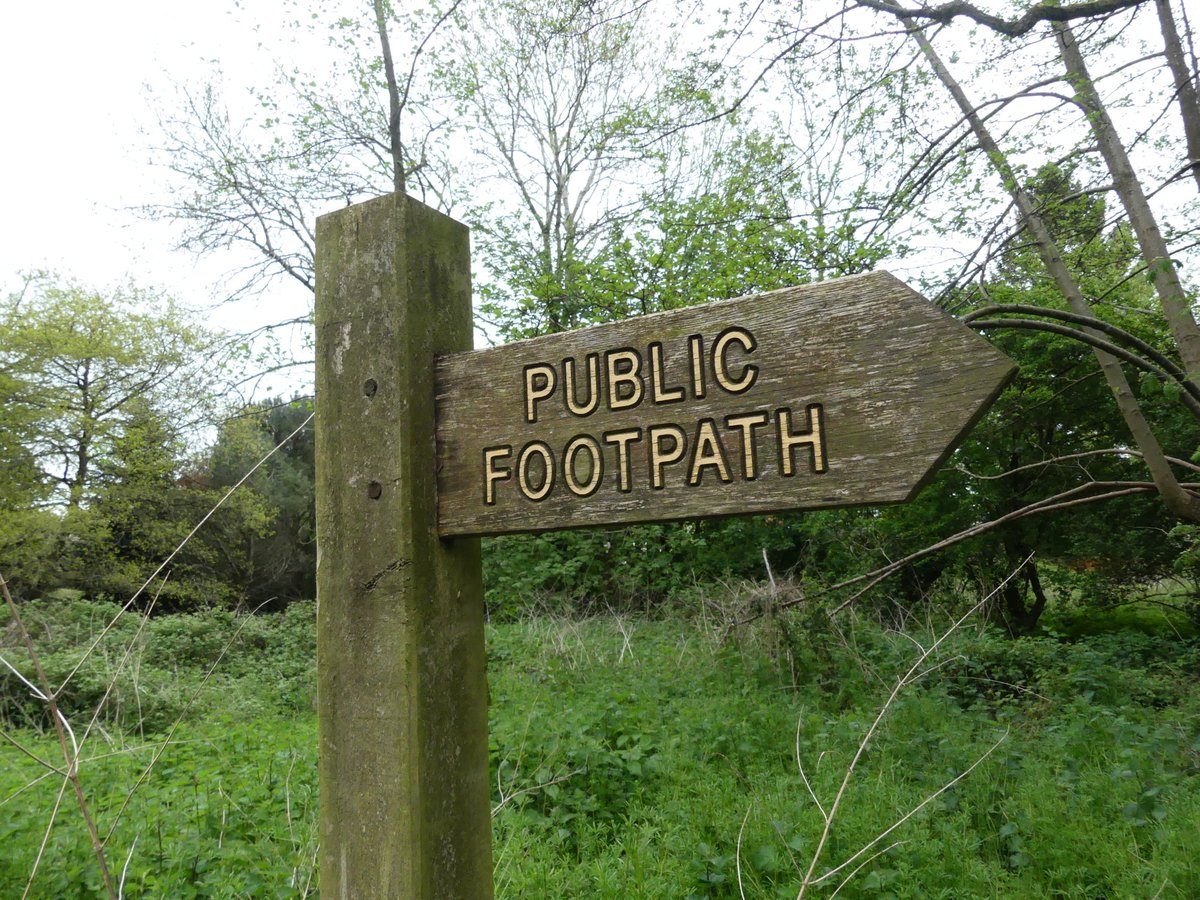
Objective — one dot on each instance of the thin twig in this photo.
(62, 729)
(26, 787)
(29, 684)
(529, 790)
(866, 862)
(112, 684)
(312, 868)
(125, 869)
(1110, 451)
(903, 682)
(737, 852)
(46, 764)
(37, 860)
(804, 775)
(920, 806)
(1055, 503)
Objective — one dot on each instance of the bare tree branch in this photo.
(1065, 500)
(393, 92)
(1041, 12)
(1183, 503)
(69, 751)
(1087, 321)
(1190, 397)
(1085, 454)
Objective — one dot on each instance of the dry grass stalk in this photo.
(915, 672)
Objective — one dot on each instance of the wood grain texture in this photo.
(401, 680)
(842, 393)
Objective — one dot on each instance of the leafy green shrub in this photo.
(641, 568)
(573, 768)
(1113, 668)
(229, 811)
(146, 672)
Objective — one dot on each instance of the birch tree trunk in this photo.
(1179, 500)
(1141, 217)
(1185, 85)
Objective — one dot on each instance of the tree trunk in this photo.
(1185, 86)
(1039, 593)
(1180, 501)
(917, 579)
(1154, 249)
(393, 87)
(1019, 616)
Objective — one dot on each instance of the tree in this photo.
(255, 179)
(140, 511)
(744, 224)
(564, 104)
(101, 395)
(603, 204)
(1021, 112)
(865, 78)
(24, 487)
(272, 556)
(1059, 408)
(1177, 312)
(76, 362)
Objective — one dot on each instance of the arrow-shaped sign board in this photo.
(842, 393)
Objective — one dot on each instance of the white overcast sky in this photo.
(74, 110)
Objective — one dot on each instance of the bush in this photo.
(269, 663)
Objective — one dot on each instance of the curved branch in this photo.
(1042, 12)
(1191, 395)
(1087, 322)
(1065, 500)
(1072, 497)
(1113, 451)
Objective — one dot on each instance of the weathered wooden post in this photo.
(402, 695)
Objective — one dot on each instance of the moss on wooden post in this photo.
(402, 693)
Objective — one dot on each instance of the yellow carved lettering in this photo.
(621, 440)
(524, 481)
(813, 439)
(749, 375)
(662, 394)
(576, 485)
(624, 370)
(491, 474)
(707, 451)
(593, 384)
(540, 381)
(746, 425)
(662, 456)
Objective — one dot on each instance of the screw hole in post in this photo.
(374, 490)
(370, 387)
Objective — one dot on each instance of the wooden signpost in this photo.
(846, 392)
(401, 685)
(841, 393)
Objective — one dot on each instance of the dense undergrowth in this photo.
(642, 757)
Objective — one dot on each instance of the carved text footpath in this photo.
(623, 379)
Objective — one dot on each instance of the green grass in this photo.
(645, 758)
